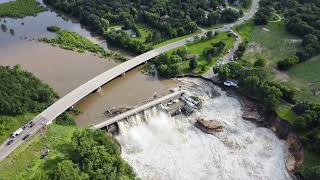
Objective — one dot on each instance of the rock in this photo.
(291, 162)
(209, 126)
(251, 115)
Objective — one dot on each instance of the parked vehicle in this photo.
(25, 137)
(10, 142)
(189, 39)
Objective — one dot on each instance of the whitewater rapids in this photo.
(171, 148)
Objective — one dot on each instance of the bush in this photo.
(260, 62)
(65, 119)
(53, 28)
(287, 63)
(311, 173)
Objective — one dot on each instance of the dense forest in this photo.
(169, 18)
(22, 92)
(92, 155)
(302, 19)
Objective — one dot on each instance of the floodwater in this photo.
(65, 70)
(34, 27)
(160, 147)
(128, 90)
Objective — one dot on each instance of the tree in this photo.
(260, 62)
(311, 173)
(99, 156)
(66, 119)
(193, 64)
(288, 62)
(213, 18)
(209, 34)
(229, 15)
(67, 170)
(105, 24)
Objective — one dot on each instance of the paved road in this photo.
(48, 115)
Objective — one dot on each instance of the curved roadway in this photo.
(47, 116)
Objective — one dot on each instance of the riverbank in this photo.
(256, 113)
(164, 143)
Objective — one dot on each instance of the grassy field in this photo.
(20, 8)
(145, 32)
(175, 39)
(197, 48)
(305, 76)
(285, 113)
(271, 42)
(8, 124)
(25, 162)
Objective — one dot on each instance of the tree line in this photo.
(302, 19)
(91, 154)
(170, 19)
(22, 92)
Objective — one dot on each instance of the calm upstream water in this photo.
(164, 147)
(171, 148)
(65, 70)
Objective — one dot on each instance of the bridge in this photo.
(47, 116)
(139, 109)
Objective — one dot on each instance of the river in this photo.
(65, 70)
(169, 148)
(165, 147)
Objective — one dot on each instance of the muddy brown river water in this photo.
(65, 70)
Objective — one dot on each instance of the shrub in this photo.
(53, 28)
(287, 63)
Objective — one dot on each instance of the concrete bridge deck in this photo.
(48, 115)
(138, 109)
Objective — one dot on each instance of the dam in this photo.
(174, 103)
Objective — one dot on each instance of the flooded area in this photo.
(128, 90)
(34, 27)
(65, 70)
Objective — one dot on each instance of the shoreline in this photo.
(255, 113)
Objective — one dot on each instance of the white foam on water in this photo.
(161, 147)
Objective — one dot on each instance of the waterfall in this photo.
(138, 119)
(161, 147)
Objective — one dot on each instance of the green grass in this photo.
(25, 162)
(20, 8)
(75, 42)
(285, 113)
(145, 32)
(197, 48)
(277, 44)
(305, 76)
(310, 158)
(8, 124)
(176, 39)
(271, 42)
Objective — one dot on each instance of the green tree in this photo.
(67, 170)
(260, 62)
(193, 64)
(312, 173)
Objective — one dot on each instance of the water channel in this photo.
(65, 70)
(171, 148)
